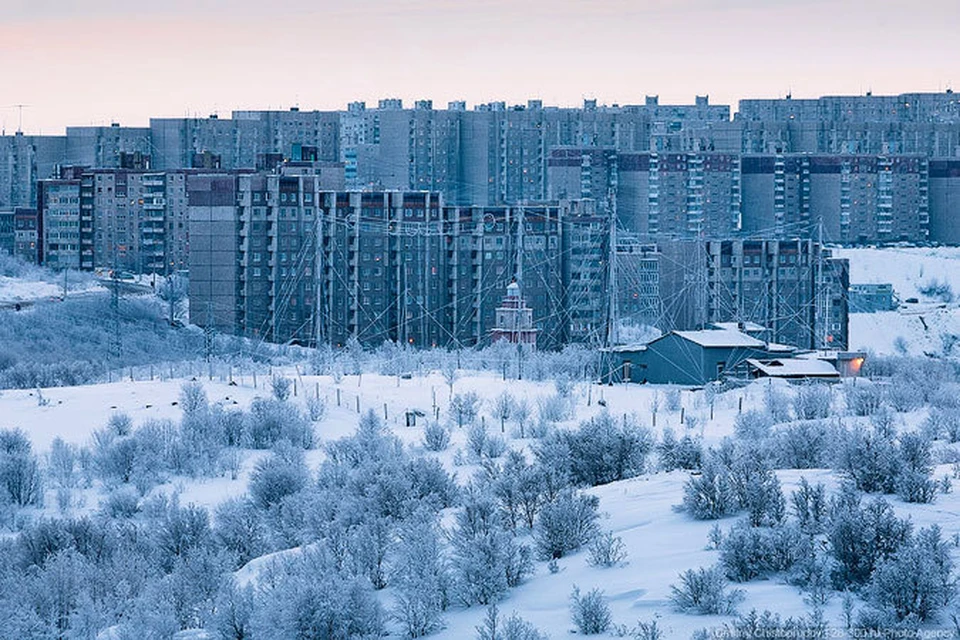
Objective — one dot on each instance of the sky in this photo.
(103, 61)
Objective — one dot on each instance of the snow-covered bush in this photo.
(914, 482)
(711, 493)
(193, 398)
(916, 583)
(565, 524)
(590, 612)
(869, 459)
(943, 423)
(704, 592)
(601, 450)
(861, 536)
(810, 506)
(776, 402)
(517, 487)
(436, 437)
(513, 628)
(281, 387)
(801, 445)
(812, 401)
(122, 503)
(753, 425)
(272, 420)
(487, 560)
(863, 398)
(419, 578)
(685, 453)
(239, 528)
(465, 408)
(607, 550)
(316, 408)
(747, 552)
(281, 473)
(20, 478)
(554, 408)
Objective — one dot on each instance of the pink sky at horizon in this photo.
(115, 61)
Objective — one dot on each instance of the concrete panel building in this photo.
(944, 201)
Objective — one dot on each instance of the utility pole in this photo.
(613, 318)
(115, 309)
(819, 324)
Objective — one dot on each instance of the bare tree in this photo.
(174, 290)
(502, 408)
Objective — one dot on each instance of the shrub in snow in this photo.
(685, 453)
(554, 408)
(812, 401)
(771, 625)
(281, 473)
(710, 494)
(914, 482)
(601, 450)
(494, 447)
(122, 503)
(902, 395)
(271, 421)
(704, 592)
(942, 423)
(486, 558)
(862, 536)
(281, 387)
(494, 627)
(193, 398)
(476, 440)
(436, 437)
(801, 445)
(753, 425)
(20, 479)
(762, 497)
(521, 415)
(863, 398)
(502, 408)
(606, 550)
(869, 460)
(234, 611)
(937, 290)
(916, 583)
(565, 524)
(747, 553)
(177, 531)
(119, 424)
(239, 528)
(517, 487)
(776, 403)
(316, 408)
(419, 578)
(810, 506)
(465, 407)
(589, 611)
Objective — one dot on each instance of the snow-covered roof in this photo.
(627, 348)
(747, 327)
(776, 347)
(794, 368)
(721, 338)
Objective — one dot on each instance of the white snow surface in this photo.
(906, 268)
(661, 541)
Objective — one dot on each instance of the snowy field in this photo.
(660, 541)
(917, 329)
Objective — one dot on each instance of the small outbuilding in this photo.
(689, 357)
(793, 369)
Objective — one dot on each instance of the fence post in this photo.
(338, 397)
(358, 404)
(385, 418)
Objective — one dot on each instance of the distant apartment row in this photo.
(280, 257)
(494, 153)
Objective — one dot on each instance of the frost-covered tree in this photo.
(870, 460)
(862, 536)
(914, 482)
(915, 583)
(495, 627)
(712, 494)
(281, 387)
(419, 578)
(590, 612)
(502, 408)
(20, 478)
(685, 453)
(704, 592)
(810, 506)
(812, 401)
(565, 524)
(281, 473)
(465, 407)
